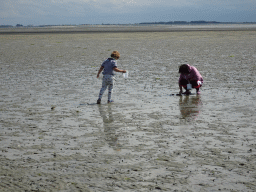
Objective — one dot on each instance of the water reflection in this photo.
(110, 127)
(190, 107)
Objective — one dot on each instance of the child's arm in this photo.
(119, 70)
(101, 68)
(180, 89)
(180, 84)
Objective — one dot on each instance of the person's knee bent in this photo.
(184, 83)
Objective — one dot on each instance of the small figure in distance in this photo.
(108, 67)
(189, 75)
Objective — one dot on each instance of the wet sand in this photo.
(125, 29)
(53, 137)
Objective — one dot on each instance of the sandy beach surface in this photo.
(54, 137)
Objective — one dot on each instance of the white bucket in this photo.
(125, 75)
(189, 86)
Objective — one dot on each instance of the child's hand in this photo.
(124, 71)
(101, 68)
(180, 93)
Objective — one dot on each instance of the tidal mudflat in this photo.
(53, 137)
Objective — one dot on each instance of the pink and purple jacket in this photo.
(193, 75)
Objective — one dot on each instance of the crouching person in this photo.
(189, 75)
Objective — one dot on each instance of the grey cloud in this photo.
(110, 11)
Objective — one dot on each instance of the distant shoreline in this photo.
(126, 28)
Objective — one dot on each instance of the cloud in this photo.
(228, 4)
(119, 11)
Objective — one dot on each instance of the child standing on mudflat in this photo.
(108, 67)
(189, 75)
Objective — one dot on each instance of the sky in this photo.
(65, 12)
